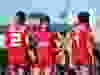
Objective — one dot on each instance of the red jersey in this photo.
(80, 42)
(16, 55)
(15, 41)
(16, 47)
(46, 56)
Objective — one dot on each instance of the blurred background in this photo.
(57, 10)
(60, 13)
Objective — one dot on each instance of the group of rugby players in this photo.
(35, 49)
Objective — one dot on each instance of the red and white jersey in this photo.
(15, 39)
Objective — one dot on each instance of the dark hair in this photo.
(21, 17)
(45, 19)
(35, 15)
(42, 16)
(83, 16)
